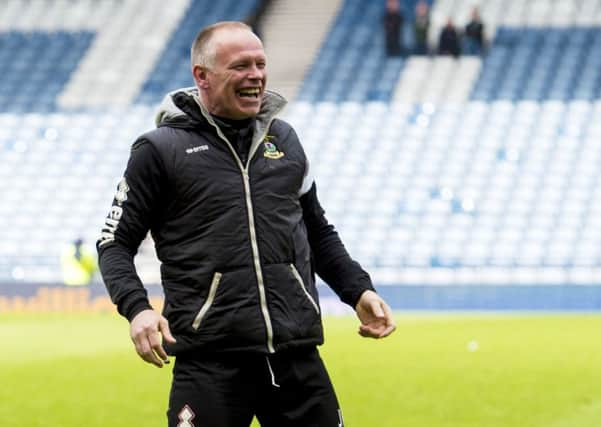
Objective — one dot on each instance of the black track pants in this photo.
(289, 389)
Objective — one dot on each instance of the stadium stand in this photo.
(55, 56)
(297, 27)
(354, 53)
(172, 68)
(480, 171)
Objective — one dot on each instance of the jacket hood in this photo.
(183, 108)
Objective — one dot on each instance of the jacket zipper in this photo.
(253, 231)
(258, 269)
(301, 283)
(209, 301)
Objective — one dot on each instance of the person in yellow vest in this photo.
(78, 264)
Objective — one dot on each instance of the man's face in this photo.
(233, 88)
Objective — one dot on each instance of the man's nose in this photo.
(256, 73)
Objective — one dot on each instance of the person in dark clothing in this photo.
(474, 34)
(227, 192)
(449, 40)
(393, 28)
(421, 26)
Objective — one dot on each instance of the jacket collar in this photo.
(184, 108)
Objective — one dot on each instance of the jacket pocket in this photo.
(208, 302)
(301, 283)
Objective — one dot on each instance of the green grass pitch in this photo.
(524, 371)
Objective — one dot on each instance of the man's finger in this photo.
(149, 355)
(368, 332)
(363, 332)
(164, 328)
(155, 344)
(376, 309)
(137, 345)
(387, 311)
(144, 348)
(389, 330)
(390, 323)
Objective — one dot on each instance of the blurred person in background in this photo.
(474, 41)
(228, 194)
(421, 26)
(78, 264)
(393, 28)
(448, 42)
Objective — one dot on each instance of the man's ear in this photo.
(200, 74)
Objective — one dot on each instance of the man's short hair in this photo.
(203, 49)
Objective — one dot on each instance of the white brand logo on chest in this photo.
(197, 149)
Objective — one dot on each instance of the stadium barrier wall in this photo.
(31, 298)
(488, 297)
(16, 298)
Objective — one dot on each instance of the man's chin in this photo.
(245, 113)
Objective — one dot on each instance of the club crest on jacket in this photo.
(271, 151)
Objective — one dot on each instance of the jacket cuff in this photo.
(136, 307)
(354, 297)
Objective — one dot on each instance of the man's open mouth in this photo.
(249, 92)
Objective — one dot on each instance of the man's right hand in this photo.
(146, 330)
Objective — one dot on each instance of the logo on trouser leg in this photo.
(340, 419)
(185, 417)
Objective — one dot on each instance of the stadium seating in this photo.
(58, 175)
(482, 185)
(544, 63)
(35, 67)
(353, 53)
(173, 67)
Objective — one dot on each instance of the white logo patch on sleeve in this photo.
(122, 189)
(112, 220)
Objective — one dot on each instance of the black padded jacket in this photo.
(239, 244)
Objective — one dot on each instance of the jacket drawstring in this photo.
(273, 383)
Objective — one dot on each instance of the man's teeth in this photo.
(249, 92)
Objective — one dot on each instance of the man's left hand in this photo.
(375, 316)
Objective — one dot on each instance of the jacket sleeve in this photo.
(135, 209)
(332, 261)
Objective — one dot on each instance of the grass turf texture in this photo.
(528, 371)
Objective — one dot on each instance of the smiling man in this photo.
(232, 83)
(226, 190)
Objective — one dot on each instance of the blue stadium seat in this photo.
(545, 63)
(23, 91)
